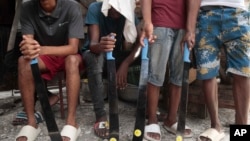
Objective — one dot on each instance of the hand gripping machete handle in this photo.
(144, 52)
(186, 54)
(109, 55)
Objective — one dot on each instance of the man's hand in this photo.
(121, 76)
(107, 43)
(147, 32)
(189, 38)
(29, 47)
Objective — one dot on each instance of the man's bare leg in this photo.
(27, 88)
(153, 97)
(210, 90)
(241, 93)
(174, 100)
(72, 64)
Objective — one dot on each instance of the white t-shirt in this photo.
(229, 3)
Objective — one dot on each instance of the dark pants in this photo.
(96, 70)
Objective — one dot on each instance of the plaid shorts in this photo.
(222, 28)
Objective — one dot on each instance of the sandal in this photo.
(21, 118)
(29, 132)
(102, 129)
(212, 134)
(173, 130)
(152, 128)
(70, 132)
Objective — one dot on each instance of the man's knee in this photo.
(73, 61)
(94, 63)
(22, 62)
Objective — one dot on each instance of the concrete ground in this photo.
(11, 105)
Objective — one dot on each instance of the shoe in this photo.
(101, 129)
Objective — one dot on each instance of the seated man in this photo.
(100, 30)
(51, 31)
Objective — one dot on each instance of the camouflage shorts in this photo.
(227, 28)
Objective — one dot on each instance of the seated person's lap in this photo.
(54, 65)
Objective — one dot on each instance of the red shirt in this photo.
(169, 13)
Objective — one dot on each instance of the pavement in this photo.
(10, 105)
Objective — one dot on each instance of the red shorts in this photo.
(54, 65)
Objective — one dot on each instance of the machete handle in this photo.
(144, 52)
(109, 55)
(186, 54)
(34, 61)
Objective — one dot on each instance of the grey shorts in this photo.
(166, 49)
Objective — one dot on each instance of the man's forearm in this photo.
(58, 50)
(95, 48)
(134, 54)
(146, 10)
(193, 7)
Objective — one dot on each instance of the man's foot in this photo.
(172, 128)
(28, 132)
(101, 128)
(211, 134)
(53, 99)
(21, 117)
(70, 132)
(152, 132)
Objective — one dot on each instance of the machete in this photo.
(184, 96)
(44, 101)
(142, 96)
(112, 98)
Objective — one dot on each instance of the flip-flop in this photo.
(152, 128)
(29, 132)
(70, 132)
(102, 126)
(21, 118)
(173, 130)
(212, 134)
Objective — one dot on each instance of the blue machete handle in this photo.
(109, 55)
(186, 54)
(144, 52)
(34, 61)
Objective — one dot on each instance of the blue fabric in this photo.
(222, 27)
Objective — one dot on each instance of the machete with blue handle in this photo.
(112, 97)
(142, 96)
(184, 96)
(44, 101)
